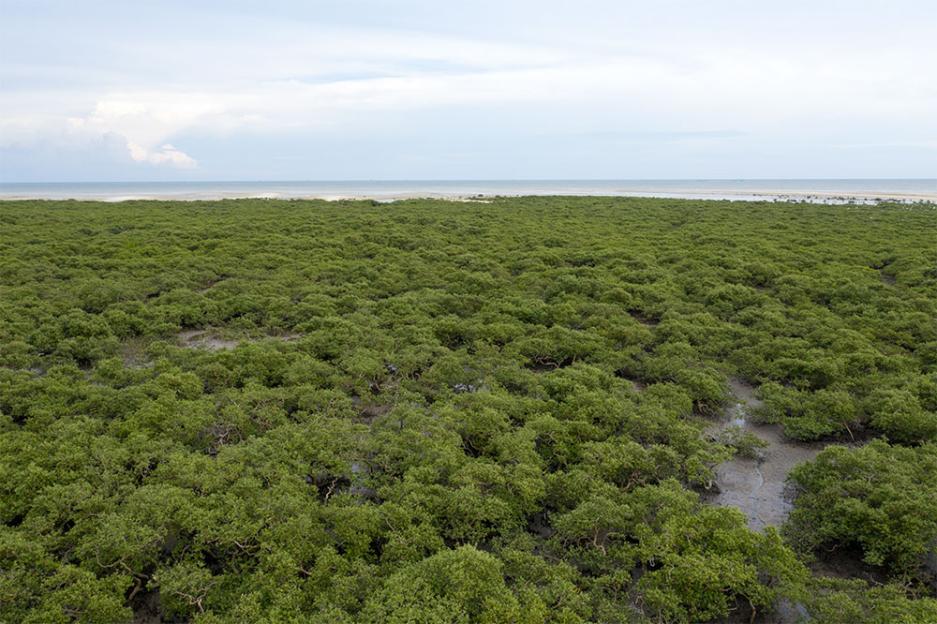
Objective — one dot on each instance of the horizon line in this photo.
(436, 180)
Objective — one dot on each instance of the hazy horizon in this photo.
(816, 190)
(393, 180)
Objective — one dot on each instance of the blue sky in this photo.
(371, 89)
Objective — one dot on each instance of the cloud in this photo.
(117, 131)
(164, 155)
(759, 94)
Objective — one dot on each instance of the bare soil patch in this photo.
(757, 486)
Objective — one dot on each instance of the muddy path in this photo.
(757, 485)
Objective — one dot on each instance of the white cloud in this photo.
(724, 91)
(164, 155)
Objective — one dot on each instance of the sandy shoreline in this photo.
(770, 195)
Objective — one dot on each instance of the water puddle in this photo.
(756, 485)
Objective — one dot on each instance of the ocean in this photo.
(817, 190)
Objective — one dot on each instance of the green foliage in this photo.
(838, 600)
(427, 411)
(744, 443)
(880, 498)
(900, 415)
(462, 585)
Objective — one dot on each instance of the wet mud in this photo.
(758, 485)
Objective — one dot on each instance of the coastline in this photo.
(810, 198)
(823, 193)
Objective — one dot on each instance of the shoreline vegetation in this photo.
(530, 409)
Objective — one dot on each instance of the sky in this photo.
(481, 89)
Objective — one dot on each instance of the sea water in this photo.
(827, 191)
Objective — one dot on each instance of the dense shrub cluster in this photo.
(427, 411)
(880, 498)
